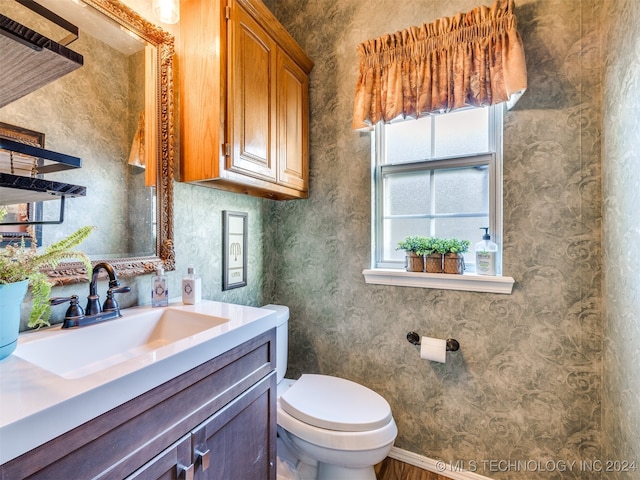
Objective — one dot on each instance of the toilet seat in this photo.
(336, 404)
(333, 439)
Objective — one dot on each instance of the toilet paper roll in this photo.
(434, 349)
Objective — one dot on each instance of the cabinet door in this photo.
(239, 442)
(252, 98)
(202, 75)
(293, 123)
(174, 463)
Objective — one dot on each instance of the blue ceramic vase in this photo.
(11, 296)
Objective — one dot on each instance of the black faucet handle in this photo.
(74, 312)
(59, 300)
(124, 289)
(110, 303)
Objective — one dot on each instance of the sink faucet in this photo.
(93, 307)
(76, 317)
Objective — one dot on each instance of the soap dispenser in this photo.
(486, 253)
(191, 287)
(159, 290)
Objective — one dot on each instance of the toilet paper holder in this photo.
(452, 344)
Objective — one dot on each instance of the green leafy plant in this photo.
(415, 244)
(19, 262)
(455, 245)
(440, 245)
(428, 245)
(453, 261)
(424, 246)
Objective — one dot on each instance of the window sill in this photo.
(469, 282)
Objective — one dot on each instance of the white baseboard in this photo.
(435, 466)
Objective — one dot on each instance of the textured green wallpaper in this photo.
(526, 383)
(621, 219)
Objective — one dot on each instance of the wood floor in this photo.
(392, 469)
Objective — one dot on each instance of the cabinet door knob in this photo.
(187, 470)
(204, 458)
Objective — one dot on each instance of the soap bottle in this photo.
(486, 253)
(191, 287)
(159, 290)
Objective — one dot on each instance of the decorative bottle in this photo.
(486, 253)
(159, 290)
(191, 287)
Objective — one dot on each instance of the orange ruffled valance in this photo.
(474, 58)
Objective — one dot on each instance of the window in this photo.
(440, 175)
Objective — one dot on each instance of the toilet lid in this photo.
(335, 404)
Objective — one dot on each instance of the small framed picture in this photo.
(234, 249)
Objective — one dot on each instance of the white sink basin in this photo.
(59, 379)
(75, 353)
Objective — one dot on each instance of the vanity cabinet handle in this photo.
(187, 470)
(204, 458)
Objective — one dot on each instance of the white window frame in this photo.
(488, 159)
(389, 274)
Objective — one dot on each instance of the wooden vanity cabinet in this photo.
(217, 421)
(244, 100)
(175, 463)
(232, 444)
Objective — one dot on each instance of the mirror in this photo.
(122, 94)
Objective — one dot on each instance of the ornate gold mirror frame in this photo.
(67, 273)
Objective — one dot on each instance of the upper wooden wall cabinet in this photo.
(243, 100)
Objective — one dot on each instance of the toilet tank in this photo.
(282, 338)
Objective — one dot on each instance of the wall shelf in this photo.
(18, 189)
(21, 167)
(30, 60)
(47, 161)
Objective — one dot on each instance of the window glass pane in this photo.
(408, 141)
(462, 132)
(462, 190)
(398, 229)
(407, 193)
(443, 199)
(464, 228)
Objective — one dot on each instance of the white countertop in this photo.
(37, 405)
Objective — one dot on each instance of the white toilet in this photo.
(329, 428)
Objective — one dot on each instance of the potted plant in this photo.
(19, 269)
(453, 255)
(433, 257)
(414, 246)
